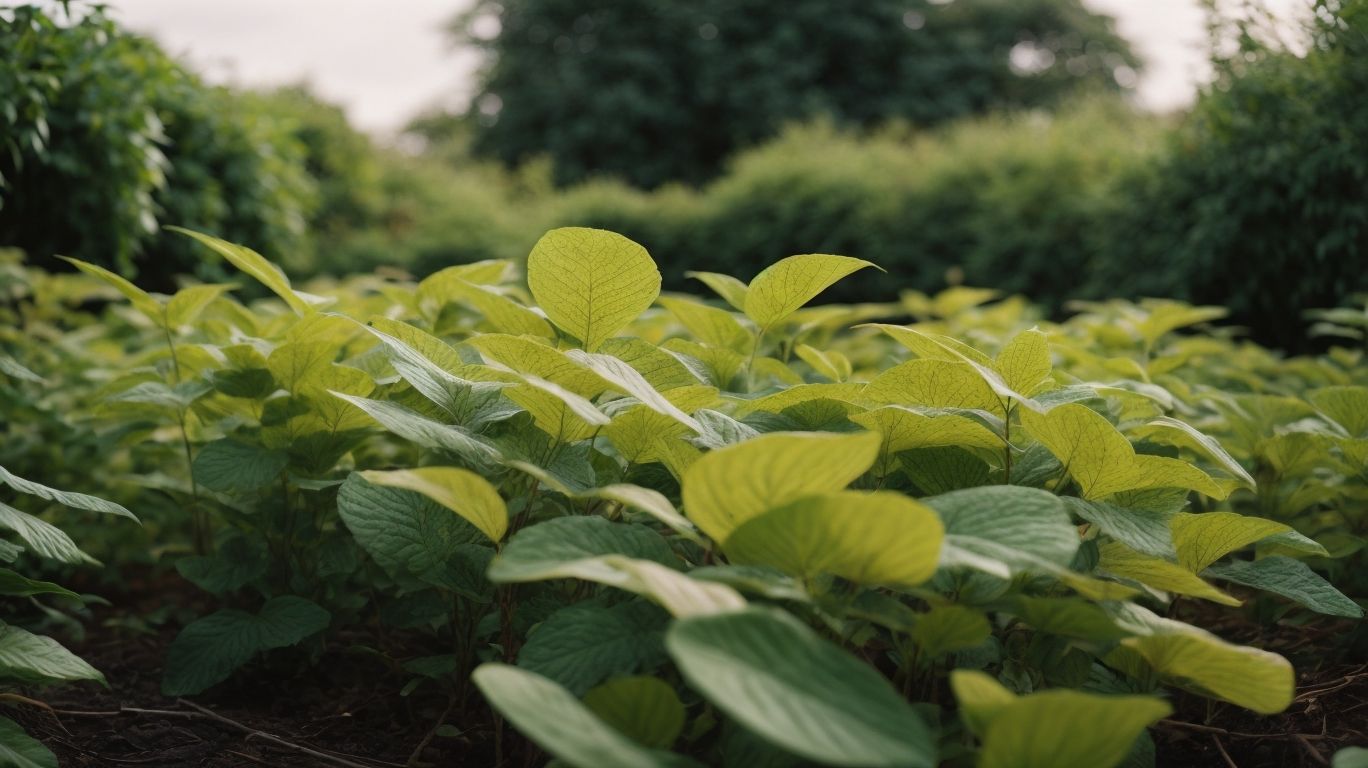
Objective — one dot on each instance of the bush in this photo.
(1010, 202)
(105, 138)
(1259, 201)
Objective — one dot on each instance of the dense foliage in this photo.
(103, 138)
(658, 530)
(652, 91)
(1259, 204)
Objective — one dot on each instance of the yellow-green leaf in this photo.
(1194, 659)
(140, 299)
(459, 490)
(1102, 461)
(257, 267)
(590, 282)
(188, 303)
(932, 346)
(1201, 540)
(644, 708)
(949, 628)
(503, 313)
(709, 325)
(629, 381)
(879, 538)
(1024, 363)
(1068, 728)
(731, 290)
(981, 698)
(831, 364)
(730, 485)
(904, 429)
(1120, 560)
(790, 283)
(536, 359)
(934, 383)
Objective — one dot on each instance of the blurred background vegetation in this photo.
(989, 142)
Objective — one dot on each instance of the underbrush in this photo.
(654, 529)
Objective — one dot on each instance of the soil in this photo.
(346, 709)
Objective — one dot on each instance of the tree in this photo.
(661, 90)
(103, 138)
(1259, 203)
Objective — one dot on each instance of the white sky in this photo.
(386, 60)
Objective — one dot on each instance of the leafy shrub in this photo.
(655, 91)
(27, 658)
(1258, 202)
(750, 531)
(105, 137)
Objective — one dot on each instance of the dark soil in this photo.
(346, 709)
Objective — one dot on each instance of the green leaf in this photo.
(1289, 578)
(1025, 519)
(18, 585)
(1350, 757)
(591, 283)
(1197, 660)
(949, 628)
(65, 498)
(879, 538)
(731, 290)
(981, 699)
(210, 649)
(1120, 560)
(728, 486)
(1345, 405)
(831, 364)
(459, 490)
(1174, 432)
(140, 299)
(647, 500)
(255, 266)
(543, 548)
(503, 313)
(42, 537)
(405, 532)
(645, 708)
(709, 325)
(788, 284)
(232, 466)
(581, 645)
(934, 383)
(185, 307)
(1203, 539)
(419, 429)
(38, 659)
(1145, 531)
(1024, 363)
(20, 750)
(1102, 461)
(819, 703)
(550, 716)
(629, 381)
(14, 369)
(1068, 617)
(1062, 727)
(904, 429)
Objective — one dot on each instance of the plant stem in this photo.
(1007, 448)
(750, 362)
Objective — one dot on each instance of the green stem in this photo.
(1007, 448)
(750, 362)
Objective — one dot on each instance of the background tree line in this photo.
(979, 140)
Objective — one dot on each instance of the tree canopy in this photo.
(660, 90)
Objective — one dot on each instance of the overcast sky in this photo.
(386, 60)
